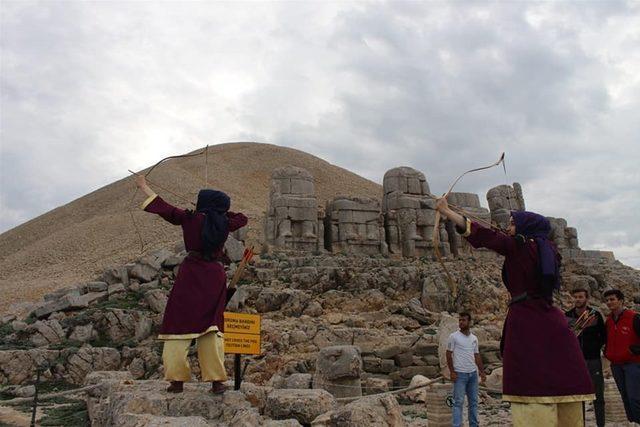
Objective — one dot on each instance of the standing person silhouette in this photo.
(545, 376)
(197, 300)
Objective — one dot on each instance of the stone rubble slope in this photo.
(332, 326)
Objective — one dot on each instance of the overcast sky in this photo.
(90, 89)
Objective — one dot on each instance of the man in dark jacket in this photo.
(588, 325)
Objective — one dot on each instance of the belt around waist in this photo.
(523, 297)
(199, 256)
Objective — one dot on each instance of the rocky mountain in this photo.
(74, 242)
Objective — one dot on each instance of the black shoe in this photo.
(175, 387)
(217, 387)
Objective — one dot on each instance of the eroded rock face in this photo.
(302, 405)
(338, 370)
(378, 411)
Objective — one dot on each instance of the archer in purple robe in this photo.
(542, 360)
(197, 300)
(195, 308)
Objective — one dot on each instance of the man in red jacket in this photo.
(623, 350)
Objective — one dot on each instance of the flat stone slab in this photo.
(121, 401)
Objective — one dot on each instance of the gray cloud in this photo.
(442, 87)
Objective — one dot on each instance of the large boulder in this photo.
(371, 411)
(303, 405)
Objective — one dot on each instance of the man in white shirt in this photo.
(463, 356)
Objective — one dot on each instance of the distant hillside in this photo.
(75, 241)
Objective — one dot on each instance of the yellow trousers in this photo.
(547, 414)
(210, 357)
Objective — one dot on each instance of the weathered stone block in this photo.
(66, 302)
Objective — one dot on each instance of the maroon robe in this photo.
(197, 300)
(542, 360)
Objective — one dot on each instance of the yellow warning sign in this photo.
(241, 333)
(241, 344)
(241, 323)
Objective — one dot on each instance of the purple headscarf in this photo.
(534, 226)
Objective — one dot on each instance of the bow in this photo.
(436, 228)
(135, 226)
(204, 151)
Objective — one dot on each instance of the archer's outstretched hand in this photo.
(141, 182)
(443, 207)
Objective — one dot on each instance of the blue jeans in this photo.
(627, 378)
(465, 384)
